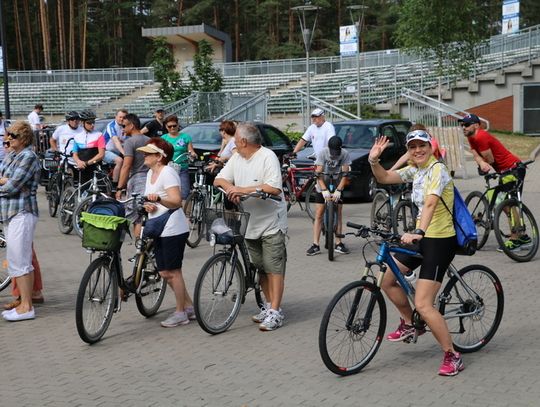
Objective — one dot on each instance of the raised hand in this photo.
(378, 147)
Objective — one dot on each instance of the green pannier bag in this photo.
(102, 232)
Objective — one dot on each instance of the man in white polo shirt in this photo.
(318, 133)
(33, 117)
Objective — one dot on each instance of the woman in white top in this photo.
(163, 193)
(227, 129)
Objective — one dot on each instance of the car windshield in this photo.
(356, 135)
(203, 134)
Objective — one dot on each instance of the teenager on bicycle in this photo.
(435, 236)
(331, 160)
(491, 155)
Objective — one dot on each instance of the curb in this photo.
(535, 153)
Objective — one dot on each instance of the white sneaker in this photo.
(175, 319)
(260, 316)
(273, 320)
(190, 311)
(13, 316)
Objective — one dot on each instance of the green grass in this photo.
(520, 145)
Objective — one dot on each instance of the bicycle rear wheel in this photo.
(352, 328)
(311, 192)
(288, 193)
(478, 206)
(514, 218)
(53, 194)
(153, 286)
(380, 212)
(68, 201)
(403, 217)
(96, 299)
(473, 314)
(219, 293)
(195, 213)
(5, 279)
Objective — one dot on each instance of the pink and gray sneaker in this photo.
(452, 364)
(404, 333)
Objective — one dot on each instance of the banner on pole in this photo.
(348, 41)
(510, 16)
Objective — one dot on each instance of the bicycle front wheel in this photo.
(516, 230)
(403, 217)
(96, 299)
(380, 212)
(478, 206)
(472, 311)
(219, 293)
(352, 328)
(330, 228)
(195, 213)
(76, 217)
(68, 201)
(5, 279)
(152, 286)
(53, 195)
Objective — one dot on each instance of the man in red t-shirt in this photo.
(488, 152)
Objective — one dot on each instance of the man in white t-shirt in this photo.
(256, 168)
(63, 138)
(33, 117)
(318, 133)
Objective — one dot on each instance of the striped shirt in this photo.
(18, 194)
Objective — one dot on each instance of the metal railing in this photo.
(254, 109)
(83, 75)
(332, 112)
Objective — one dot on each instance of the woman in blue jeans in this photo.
(181, 143)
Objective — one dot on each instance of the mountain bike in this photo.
(228, 276)
(59, 180)
(393, 210)
(201, 197)
(354, 323)
(72, 195)
(501, 208)
(103, 286)
(298, 181)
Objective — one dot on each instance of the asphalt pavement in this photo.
(139, 363)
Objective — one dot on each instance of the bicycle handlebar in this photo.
(493, 175)
(365, 231)
(256, 194)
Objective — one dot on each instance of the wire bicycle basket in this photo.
(225, 226)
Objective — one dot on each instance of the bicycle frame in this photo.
(292, 174)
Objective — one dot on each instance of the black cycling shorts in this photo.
(437, 254)
(319, 198)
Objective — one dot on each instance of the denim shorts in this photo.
(269, 253)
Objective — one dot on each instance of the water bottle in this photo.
(410, 276)
(212, 239)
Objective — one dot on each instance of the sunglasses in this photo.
(124, 125)
(467, 124)
(13, 136)
(145, 154)
(91, 122)
(172, 126)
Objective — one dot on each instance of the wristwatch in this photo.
(418, 232)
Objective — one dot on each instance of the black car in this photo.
(206, 138)
(358, 137)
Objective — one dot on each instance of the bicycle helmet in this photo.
(73, 115)
(87, 115)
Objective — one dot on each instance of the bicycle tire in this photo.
(81, 207)
(195, 213)
(330, 229)
(380, 215)
(311, 192)
(53, 195)
(403, 217)
(96, 299)
(345, 350)
(216, 305)
(288, 192)
(153, 288)
(473, 332)
(502, 229)
(5, 279)
(478, 206)
(68, 201)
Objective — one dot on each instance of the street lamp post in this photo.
(307, 35)
(358, 23)
(4, 62)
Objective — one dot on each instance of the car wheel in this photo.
(370, 188)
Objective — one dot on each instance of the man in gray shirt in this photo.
(133, 174)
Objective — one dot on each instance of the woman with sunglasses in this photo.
(435, 237)
(162, 190)
(181, 143)
(19, 179)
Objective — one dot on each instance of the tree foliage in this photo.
(171, 86)
(68, 34)
(205, 78)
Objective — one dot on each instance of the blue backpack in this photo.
(466, 235)
(107, 206)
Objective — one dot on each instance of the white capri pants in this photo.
(19, 237)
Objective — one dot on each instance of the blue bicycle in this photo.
(354, 322)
